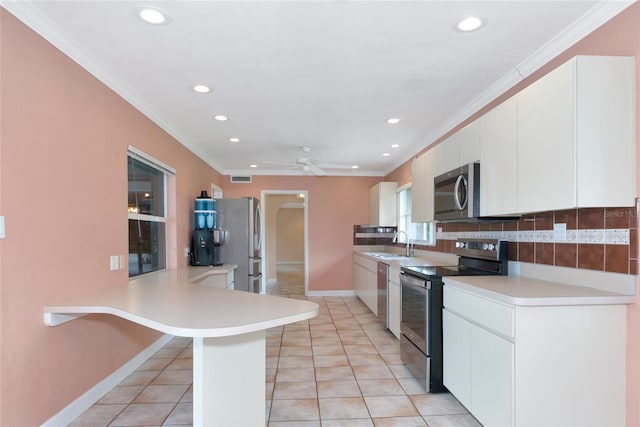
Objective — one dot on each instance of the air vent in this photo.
(241, 179)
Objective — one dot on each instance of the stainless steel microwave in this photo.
(457, 194)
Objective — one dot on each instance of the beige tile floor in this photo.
(341, 368)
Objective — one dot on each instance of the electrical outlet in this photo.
(559, 232)
(1, 227)
(114, 262)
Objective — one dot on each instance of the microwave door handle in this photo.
(456, 192)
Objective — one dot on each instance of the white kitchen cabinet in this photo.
(576, 142)
(461, 148)
(499, 160)
(422, 188)
(445, 156)
(456, 341)
(383, 204)
(468, 141)
(365, 277)
(534, 365)
(220, 280)
(394, 301)
(491, 377)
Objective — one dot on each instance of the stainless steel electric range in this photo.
(422, 303)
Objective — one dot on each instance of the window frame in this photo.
(430, 226)
(166, 170)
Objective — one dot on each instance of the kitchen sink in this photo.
(383, 255)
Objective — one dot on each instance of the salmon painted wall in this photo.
(290, 235)
(335, 204)
(63, 192)
(619, 36)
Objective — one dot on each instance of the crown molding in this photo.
(589, 22)
(34, 19)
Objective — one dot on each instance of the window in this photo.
(147, 209)
(419, 232)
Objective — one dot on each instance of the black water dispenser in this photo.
(205, 240)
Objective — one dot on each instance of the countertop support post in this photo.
(229, 380)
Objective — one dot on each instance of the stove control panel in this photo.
(482, 248)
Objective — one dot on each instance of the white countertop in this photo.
(527, 291)
(422, 258)
(170, 302)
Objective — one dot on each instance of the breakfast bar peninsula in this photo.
(227, 327)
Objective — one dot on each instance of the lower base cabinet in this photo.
(535, 365)
(394, 301)
(219, 280)
(365, 278)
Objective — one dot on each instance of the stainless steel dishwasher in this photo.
(383, 276)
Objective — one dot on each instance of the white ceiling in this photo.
(323, 74)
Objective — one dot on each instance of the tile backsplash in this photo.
(373, 235)
(604, 239)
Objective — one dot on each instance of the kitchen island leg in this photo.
(229, 380)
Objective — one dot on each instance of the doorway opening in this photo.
(285, 244)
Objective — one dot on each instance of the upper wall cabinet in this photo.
(422, 188)
(576, 136)
(566, 141)
(499, 160)
(461, 148)
(382, 204)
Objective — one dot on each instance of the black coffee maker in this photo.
(203, 250)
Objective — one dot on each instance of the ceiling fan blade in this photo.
(316, 170)
(289, 164)
(334, 166)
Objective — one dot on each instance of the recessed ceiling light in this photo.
(395, 145)
(220, 118)
(393, 120)
(355, 167)
(234, 139)
(201, 89)
(386, 154)
(253, 165)
(152, 15)
(470, 23)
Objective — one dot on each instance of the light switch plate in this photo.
(2, 227)
(559, 232)
(114, 262)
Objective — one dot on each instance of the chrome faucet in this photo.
(407, 250)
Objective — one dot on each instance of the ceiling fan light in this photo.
(221, 118)
(253, 165)
(355, 167)
(393, 120)
(234, 139)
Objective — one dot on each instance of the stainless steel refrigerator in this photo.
(240, 220)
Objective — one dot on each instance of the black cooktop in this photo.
(435, 272)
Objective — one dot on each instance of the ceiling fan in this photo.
(307, 163)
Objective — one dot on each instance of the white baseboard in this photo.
(289, 262)
(331, 293)
(95, 393)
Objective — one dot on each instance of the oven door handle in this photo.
(406, 279)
